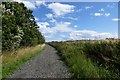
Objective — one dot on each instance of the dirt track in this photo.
(46, 65)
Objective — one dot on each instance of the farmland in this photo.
(90, 59)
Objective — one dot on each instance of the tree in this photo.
(18, 27)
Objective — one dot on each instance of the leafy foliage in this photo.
(19, 28)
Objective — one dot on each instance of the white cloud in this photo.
(49, 15)
(102, 14)
(106, 35)
(98, 14)
(75, 26)
(61, 9)
(29, 4)
(101, 10)
(116, 19)
(32, 4)
(18, 0)
(72, 18)
(50, 33)
(89, 34)
(88, 7)
(38, 3)
(107, 14)
(67, 23)
(36, 19)
(44, 23)
(63, 27)
(53, 20)
(44, 29)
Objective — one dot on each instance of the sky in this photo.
(61, 21)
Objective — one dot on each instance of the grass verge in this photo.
(10, 61)
(90, 59)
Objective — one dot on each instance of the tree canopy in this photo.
(19, 28)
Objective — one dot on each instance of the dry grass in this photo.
(11, 61)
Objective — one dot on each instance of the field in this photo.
(11, 61)
(90, 59)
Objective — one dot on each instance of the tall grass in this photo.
(11, 61)
(91, 59)
(0, 60)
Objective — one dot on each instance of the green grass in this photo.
(90, 59)
(11, 61)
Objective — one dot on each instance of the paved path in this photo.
(46, 65)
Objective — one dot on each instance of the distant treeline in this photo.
(19, 28)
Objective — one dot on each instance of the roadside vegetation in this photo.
(12, 61)
(90, 59)
(20, 37)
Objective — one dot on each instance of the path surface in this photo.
(46, 65)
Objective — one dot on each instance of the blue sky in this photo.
(76, 20)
